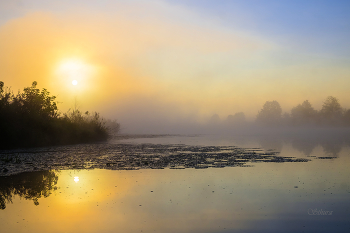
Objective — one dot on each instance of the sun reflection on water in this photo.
(76, 179)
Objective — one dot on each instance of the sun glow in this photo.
(75, 78)
(74, 71)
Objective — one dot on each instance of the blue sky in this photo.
(319, 26)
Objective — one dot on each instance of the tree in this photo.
(346, 117)
(214, 120)
(270, 114)
(6, 96)
(303, 113)
(331, 111)
(40, 103)
(286, 119)
(31, 118)
(238, 118)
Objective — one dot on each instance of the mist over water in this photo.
(270, 118)
(234, 116)
(237, 183)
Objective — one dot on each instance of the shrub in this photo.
(31, 118)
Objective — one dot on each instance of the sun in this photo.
(74, 70)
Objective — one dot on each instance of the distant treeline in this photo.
(332, 114)
(31, 119)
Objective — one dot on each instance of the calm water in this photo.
(220, 184)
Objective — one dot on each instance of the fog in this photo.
(157, 67)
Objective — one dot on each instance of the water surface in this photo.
(179, 184)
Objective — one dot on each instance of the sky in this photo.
(157, 65)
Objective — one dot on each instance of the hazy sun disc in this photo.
(74, 71)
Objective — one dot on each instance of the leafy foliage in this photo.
(331, 110)
(303, 113)
(270, 114)
(31, 118)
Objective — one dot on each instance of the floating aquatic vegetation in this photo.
(135, 156)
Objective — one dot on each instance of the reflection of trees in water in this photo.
(304, 146)
(143, 156)
(332, 149)
(28, 185)
(332, 144)
(332, 141)
(268, 143)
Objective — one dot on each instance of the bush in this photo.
(31, 119)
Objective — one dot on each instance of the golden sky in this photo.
(156, 60)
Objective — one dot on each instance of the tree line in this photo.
(331, 114)
(304, 114)
(31, 118)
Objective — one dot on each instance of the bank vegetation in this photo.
(31, 119)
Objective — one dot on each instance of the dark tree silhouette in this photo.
(37, 103)
(31, 118)
(331, 112)
(270, 114)
(303, 114)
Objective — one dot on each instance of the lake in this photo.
(180, 183)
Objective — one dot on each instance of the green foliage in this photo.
(31, 118)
